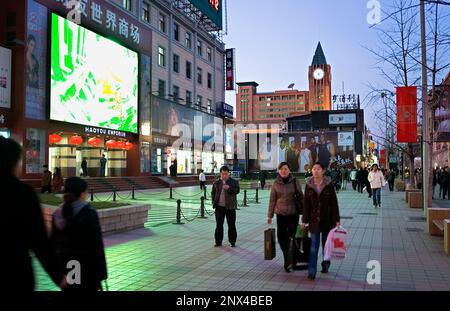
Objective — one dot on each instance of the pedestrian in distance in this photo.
(84, 170)
(391, 180)
(224, 200)
(262, 178)
(353, 178)
(283, 195)
(320, 213)
(22, 216)
(46, 180)
(77, 236)
(202, 179)
(57, 181)
(377, 182)
(103, 161)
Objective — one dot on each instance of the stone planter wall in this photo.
(112, 220)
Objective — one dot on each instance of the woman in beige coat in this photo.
(283, 204)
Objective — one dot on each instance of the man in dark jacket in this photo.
(22, 227)
(391, 180)
(223, 195)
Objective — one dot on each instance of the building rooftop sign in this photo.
(208, 13)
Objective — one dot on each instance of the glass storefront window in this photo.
(184, 160)
(34, 150)
(145, 157)
(207, 162)
(156, 160)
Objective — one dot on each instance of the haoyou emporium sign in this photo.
(212, 9)
(88, 85)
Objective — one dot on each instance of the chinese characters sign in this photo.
(343, 102)
(100, 14)
(229, 69)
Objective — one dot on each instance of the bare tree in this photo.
(399, 61)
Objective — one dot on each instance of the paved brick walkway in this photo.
(182, 257)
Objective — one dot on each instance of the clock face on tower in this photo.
(318, 74)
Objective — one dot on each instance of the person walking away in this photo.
(77, 235)
(447, 183)
(224, 201)
(391, 180)
(57, 181)
(353, 178)
(282, 203)
(84, 167)
(360, 180)
(434, 183)
(202, 179)
(377, 182)
(46, 180)
(320, 213)
(262, 178)
(443, 180)
(22, 216)
(345, 176)
(366, 181)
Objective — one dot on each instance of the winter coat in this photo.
(230, 194)
(320, 208)
(376, 179)
(80, 238)
(282, 197)
(23, 229)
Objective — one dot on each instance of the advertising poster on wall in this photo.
(36, 61)
(5, 77)
(302, 150)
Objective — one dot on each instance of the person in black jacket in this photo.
(22, 227)
(77, 237)
(223, 196)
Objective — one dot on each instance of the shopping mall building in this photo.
(113, 78)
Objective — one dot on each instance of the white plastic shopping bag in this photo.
(336, 244)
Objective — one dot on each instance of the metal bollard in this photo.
(132, 193)
(204, 192)
(202, 208)
(178, 213)
(92, 195)
(245, 198)
(114, 195)
(256, 197)
(171, 197)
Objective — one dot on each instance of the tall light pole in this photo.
(425, 122)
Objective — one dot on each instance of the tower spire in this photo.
(319, 56)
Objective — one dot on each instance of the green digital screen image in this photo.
(94, 80)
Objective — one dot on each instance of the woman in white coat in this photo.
(377, 182)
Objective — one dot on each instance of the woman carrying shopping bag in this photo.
(286, 202)
(321, 213)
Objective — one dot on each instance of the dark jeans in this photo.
(202, 185)
(263, 183)
(369, 189)
(376, 196)
(354, 183)
(391, 186)
(221, 214)
(286, 228)
(314, 254)
(47, 188)
(360, 187)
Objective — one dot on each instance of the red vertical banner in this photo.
(407, 114)
(383, 158)
(229, 70)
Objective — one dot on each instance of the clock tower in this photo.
(319, 82)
